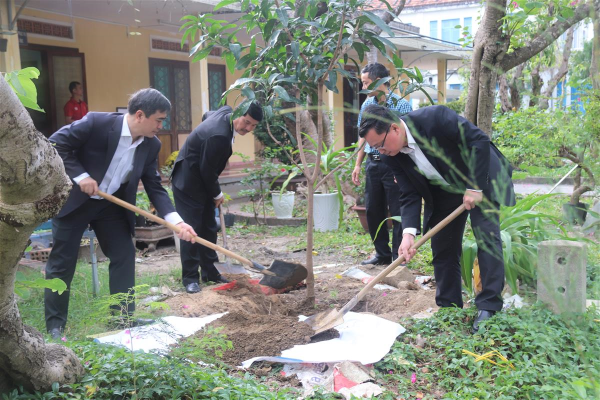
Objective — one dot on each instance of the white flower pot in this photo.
(283, 204)
(326, 212)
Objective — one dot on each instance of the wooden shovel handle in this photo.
(441, 225)
(223, 231)
(174, 228)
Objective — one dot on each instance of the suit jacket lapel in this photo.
(113, 141)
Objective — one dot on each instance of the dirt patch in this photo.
(260, 335)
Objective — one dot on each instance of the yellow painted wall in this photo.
(117, 65)
(9, 59)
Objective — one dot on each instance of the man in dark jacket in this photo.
(196, 188)
(444, 160)
(110, 152)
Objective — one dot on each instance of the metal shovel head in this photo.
(325, 320)
(286, 274)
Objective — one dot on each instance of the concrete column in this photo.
(10, 60)
(442, 69)
(205, 101)
(562, 275)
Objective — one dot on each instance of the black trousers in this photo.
(446, 247)
(381, 194)
(109, 222)
(201, 217)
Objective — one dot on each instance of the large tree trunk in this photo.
(489, 47)
(33, 188)
(490, 56)
(560, 73)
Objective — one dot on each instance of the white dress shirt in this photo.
(120, 168)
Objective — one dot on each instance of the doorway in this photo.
(352, 102)
(58, 67)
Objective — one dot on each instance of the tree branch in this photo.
(546, 37)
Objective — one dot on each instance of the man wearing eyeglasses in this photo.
(444, 160)
(196, 188)
(381, 192)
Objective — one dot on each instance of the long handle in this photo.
(441, 225)
(223, 231)
(174, 228)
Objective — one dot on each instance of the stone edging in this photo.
(248, 219)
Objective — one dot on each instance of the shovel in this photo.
(224, 234)
(279, 275)
(329, 319)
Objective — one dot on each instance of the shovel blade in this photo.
(324, 321)
(286, 274)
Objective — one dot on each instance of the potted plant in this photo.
(329, 204)
(147, 231)
(283, 200)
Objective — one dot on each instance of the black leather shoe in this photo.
(482, 315)
(192, 288)
(218, 279)
(377, 261)
(55, 333)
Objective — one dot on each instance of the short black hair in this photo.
(376, 117)
(149, 101)
(73, 85)
(376, 71)
(255, 111)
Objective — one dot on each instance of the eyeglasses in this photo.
(377, 147)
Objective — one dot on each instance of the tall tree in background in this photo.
(510, 34)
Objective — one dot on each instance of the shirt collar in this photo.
(410, 140)
(126, 132)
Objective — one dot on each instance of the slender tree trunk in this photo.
(516, 86)
(33, 188)
(560, 73)
(536, 86)
(504, 99)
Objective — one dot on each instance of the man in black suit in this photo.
(196, 189)
(110, 152)
(441, 158)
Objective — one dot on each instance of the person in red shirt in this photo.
(75, 109)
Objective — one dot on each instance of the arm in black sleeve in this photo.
(212, 162)
(152, 182)
(69, 139)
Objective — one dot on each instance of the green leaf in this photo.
(379, 22)
(282, 93)
(235, 49)
(357, 46)
(283, 16)
(295, 49)
(224, 3)
(22, 84)
(248, 93)
(230, 61)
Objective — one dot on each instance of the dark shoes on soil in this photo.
(55, 333)
(482, 315)
(192, 288)
(218, 279)
(377, 261)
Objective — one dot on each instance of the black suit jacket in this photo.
(204, 156)
(88, 145)
(437, 129)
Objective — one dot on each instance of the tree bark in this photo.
(33, 188)
(516, 85)
(536, 86)
(504, 98)
(560, 73)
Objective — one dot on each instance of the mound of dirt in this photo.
(260, 335)
(245, 297)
